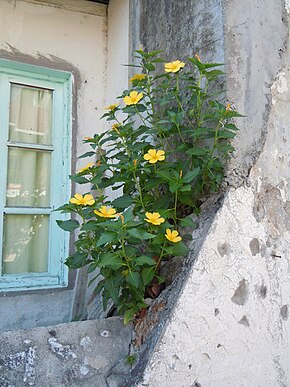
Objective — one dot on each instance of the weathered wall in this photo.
(81, 354)
(230, 325)
(88, 40)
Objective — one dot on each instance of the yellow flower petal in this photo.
(154, 218)
(106, 212)
(81, 200)
(87, 166)
(133, 98)
(112, 107)
(174, 67)
(153, 156)
(172, 236)
(138, 77)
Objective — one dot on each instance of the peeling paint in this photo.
(63, 351)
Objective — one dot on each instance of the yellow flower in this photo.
(88, 138)
(154, 218)
(106, 212)
(197, 57)
(174, 67)
(172, 236)
(99, 163)
(133, 98)
(112, 107)
(135, 163)
(138, 77)
(153, 156)
(81, 200)
(228, 107)
(87, 166)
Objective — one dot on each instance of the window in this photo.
(35, 139)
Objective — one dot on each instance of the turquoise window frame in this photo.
(61, 84)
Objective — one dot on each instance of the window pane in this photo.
(28, 182)
(25, 244)
(30, 115)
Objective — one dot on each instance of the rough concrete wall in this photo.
(230, 326)
(81, 354)
(182, 28)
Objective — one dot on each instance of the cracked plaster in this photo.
(230, 323)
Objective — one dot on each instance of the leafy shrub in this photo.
(165, 150)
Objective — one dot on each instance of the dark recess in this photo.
(100, 1)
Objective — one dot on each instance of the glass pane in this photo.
(25, 244)
(28, 182)
(30, 115)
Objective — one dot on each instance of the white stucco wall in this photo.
(230, 326)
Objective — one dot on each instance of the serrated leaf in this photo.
(68, 225)
(79, 179)
(110, 260)
(140, 234)
(190, 175)
(174, 186)
(147, 275)
(149, 66)
(107, 237)
(133, 278)
(226, 134)
(178, 249)
(122, 202)
(196, 151)
(145, 260)
(128, 316)
(87, 154)
(77, 260)
(187, 222)
(92, 225)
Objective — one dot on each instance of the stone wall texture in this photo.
(230, 324)
(79, 354)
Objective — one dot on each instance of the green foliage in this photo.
(166, 149)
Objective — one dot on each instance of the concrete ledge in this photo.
(74, 354)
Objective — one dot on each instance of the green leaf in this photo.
(122, 202)
(166, 175)
(133, 278)
(107, 237)
(68, 225)
(91, 225)
(110, 260)
(197, 151)
(87, 154)
(226, 134)
(187, 222)
(112, 288)
(177, 249)
(189, 176)
(140, 234)
(79, 179)
(147, 275)
(77, 260)
(145, 260)
(149, 66)
(174, 186)
(128, 316)
(186, 188)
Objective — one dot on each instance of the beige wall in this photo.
(91, 41)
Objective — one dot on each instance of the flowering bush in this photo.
(166, 149)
